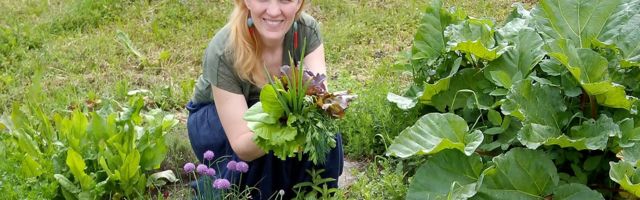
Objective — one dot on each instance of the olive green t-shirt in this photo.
(219, 70)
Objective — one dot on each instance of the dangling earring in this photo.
(249, 22)
(295, 35)
(250, 25)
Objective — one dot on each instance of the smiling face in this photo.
(273, 18)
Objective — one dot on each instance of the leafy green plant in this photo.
(295, 114)
(110, 151)
(124, 39)
(536, 109)
(29, 145)
(369, 128)
(34, 156)
(383, 178)
(317, 188)
(87, 155)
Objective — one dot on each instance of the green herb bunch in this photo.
(296, 113)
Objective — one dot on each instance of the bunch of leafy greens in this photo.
(543, 107)
(295, 114)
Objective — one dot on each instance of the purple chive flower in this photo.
(211, 172)
(202, 169)
(231, 165)
(242, 167)
(208, 155)
(221, 184)
(189, 167)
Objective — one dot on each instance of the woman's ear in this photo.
(300, 2)
(246, 3)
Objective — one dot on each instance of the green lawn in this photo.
(73, 47)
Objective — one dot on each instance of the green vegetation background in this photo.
(79, 49)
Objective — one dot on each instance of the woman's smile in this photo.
(273, 18)
(273, 24)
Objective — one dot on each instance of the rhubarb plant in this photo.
(541, 107)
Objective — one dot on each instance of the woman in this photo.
(259, 33)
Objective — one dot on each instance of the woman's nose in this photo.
(274, 8)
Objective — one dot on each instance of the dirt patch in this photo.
(348, 173)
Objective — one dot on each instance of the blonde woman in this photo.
(259, 33)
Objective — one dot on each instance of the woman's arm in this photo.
(315, 60)
(231, 108)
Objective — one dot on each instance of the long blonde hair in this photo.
(246, 49)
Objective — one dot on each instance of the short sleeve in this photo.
(217, 69)
(311, 29)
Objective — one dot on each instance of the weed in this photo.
(383, 179)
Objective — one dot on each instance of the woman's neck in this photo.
(272, 60)
(272, 44)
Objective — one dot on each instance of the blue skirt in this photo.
(268, 174)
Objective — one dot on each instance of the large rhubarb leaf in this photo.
(443, 92)
(631, 154)
(625, 174)
(447, 175)
(518, 60)
(404, 103)
(544, 125)
(519, 174)
(623, 31)
(591, 70)
(431, 90)
(450, 93)
(519, 12)
(592, 135)
(629, 40)
(430, 42)
(408, 100)
(579, 21)
(539, 122)
(575, 191)
(473, 36)
(433, 133)
(629, 134)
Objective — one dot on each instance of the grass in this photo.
(74, 45)
(383, 178)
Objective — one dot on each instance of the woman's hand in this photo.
(231, 108)
(315, 61)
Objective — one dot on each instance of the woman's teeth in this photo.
(273, 22)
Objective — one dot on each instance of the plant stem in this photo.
(197, 185)
(594, 111)
(487, 153)
(604, 187)
(583, 100)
